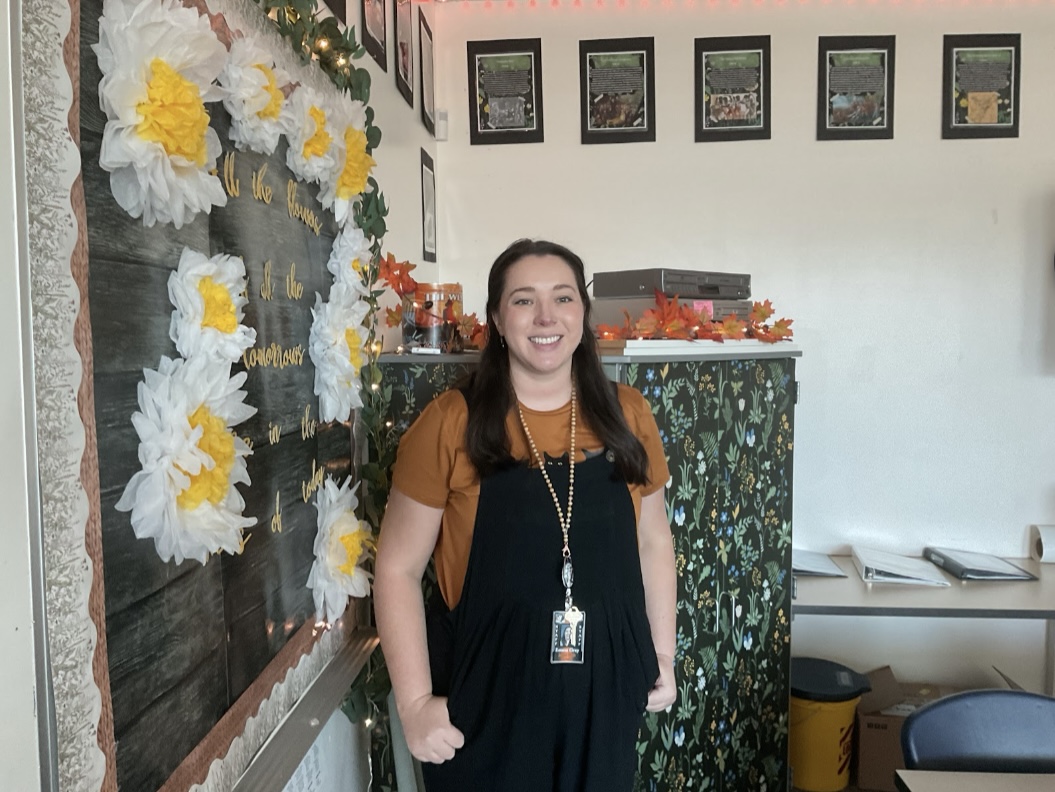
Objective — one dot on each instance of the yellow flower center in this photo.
(355, 347)
(319, 143)
(357, 266)
(217, 442)
(174, 114)
(219, 308)
(355, 543)
(274, 107)
(357, 164)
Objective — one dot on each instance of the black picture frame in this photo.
(403, 51)
(339, 8)
(505, 55)
(428, 208)
(957, 105)
(426, 70)
(850, 120)
(373, 15)
(625, 56)
(744, 113)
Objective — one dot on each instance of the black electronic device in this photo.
(671, 282)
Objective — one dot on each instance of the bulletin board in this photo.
(191, 651)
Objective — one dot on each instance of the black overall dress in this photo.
(529, 725)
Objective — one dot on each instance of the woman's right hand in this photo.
(427, 726)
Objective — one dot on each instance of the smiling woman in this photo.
(540, 321)
(486, 482)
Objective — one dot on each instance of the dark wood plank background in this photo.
(186, 640)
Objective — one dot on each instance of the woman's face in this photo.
(540, 315)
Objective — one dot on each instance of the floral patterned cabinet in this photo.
(727, 418)
(726, 415)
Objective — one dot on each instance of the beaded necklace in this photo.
(567, 573)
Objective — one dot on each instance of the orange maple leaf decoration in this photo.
(397, 275)
(394, 316)
(669, 319)
(780, 331)
(732, 328)
(761, 311)
(478, 337)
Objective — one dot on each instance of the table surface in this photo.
(1003, 599)
(935, 781)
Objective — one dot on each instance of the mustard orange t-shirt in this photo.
(433, 466)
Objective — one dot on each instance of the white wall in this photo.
(403, 136)
(918, 271)
(18, 726)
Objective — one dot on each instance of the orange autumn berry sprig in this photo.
(669, 319)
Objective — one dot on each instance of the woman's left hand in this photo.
(664, 692)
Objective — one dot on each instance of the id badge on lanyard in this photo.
(568, 636)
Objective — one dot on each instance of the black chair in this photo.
(982, 731)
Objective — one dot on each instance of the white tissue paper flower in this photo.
(350, 177)
(209, 297)
(254, 96)
(184, 497)
(349, 257)
(311, 136)
(159, 61)
(341, 545)
(336, 346)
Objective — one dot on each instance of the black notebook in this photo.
(975, 566)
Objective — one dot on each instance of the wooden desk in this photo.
(966, 599)
(935, 781)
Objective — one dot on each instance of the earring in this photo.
(502, 340)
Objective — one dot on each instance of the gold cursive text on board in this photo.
(300, 212)
(294, 288)
(267, 291)
(308, 425)
(276, 518)
(274, 432)
(261, 191)
(248, 442)
(312, 484)
(230, 181)
(273, 356)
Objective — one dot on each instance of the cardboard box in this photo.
(880, 714)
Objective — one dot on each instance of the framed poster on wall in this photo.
(980, 86)
(617, 90)
(404, 24)
(505, 91)
(732, 88)
(428, 207)
(428, 84)
(855, 88)
(374, 38)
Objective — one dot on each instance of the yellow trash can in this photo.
(824, 698)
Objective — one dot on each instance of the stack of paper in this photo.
(877, 566)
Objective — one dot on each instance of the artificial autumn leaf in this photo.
(466, 324)
(645, 327)
(732, 328)
(397, 275)
(710, 331)
(394, 316)
(761, 311)
(782, 328)
(478, 337)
